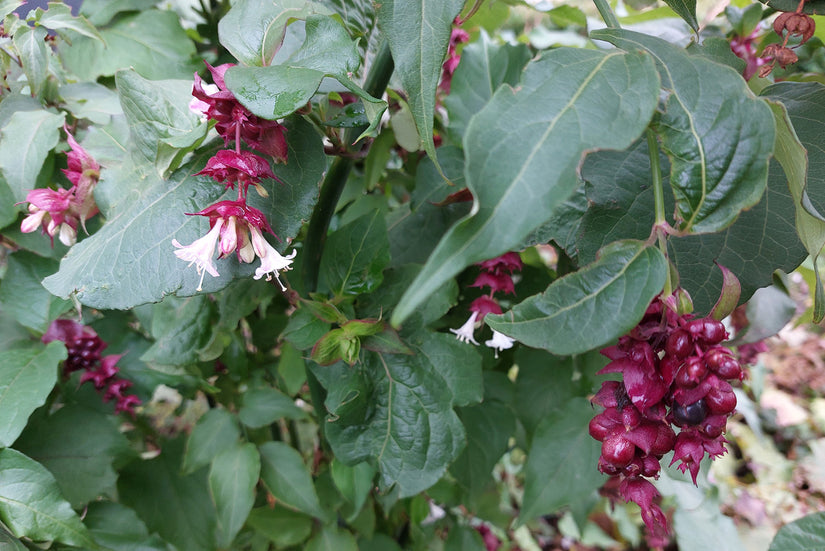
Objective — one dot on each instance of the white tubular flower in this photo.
(201, 251)
(272, 261)
(67, 235)
(499, 342)
(465, 332)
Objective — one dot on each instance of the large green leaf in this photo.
(78, 446)
(457, 363)
(332, 538)
(59, 17)
(118, 528)
(287, 478)
(30, 44)
(802, 103)
(181, 327)
(131, 260)
(159, 115)
(395, 410)
(25, 142)
(419, 32)
(621, 206)
(589, 307)
(561, 463)
(232, 479)
(282, 526)
(355, 256)
(252, 30)
(151, 41)
(484, 67)
(31, 504)
(354, 482)
(805, 534)
(24, 297)
(521, 160)
(718, 136)
(263, 406)
(177, 507)
(26, 378)
(100, 12)
(217, 430)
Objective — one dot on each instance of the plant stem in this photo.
(607, 14)
(659, 200)
(337, 175)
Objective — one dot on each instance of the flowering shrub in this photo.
(467, 288)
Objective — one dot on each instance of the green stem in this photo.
(659, 200)
(336, 178)
(607, 14)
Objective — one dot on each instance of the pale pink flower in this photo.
(201, 251)
(465, 333)
(272, 261)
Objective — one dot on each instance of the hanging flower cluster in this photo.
(60, 211)
(674, 372)
(745, 48)
(497, 275)
(84, 348)
(234, 225)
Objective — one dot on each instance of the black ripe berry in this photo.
(691, 414)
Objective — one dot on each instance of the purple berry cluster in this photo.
(84, 348)
(675, 373)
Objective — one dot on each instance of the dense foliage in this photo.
(406, 275)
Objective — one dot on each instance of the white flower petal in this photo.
(272, 261)
(465, 332)
(201, 251)
(500, 342)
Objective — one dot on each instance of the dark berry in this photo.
(691, 414)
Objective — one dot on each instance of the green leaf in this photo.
(253, 30)
(31, 505)
(264, 406)
(292, 369)
(151, 41)
(814, 7)
(30, 44)
(159, 115)
(281, 526)
(181, 327)
(303, 329)
(355, 256)
(398, 413)
(798, 123)
(131, 260)
(59, 17)
(217, 430)
(686, 9)
(718, 136)
(100, 12)
(27, 376)
(354, 482)
(10, 543)
(91, 101)
(419, 33)
(24, 297)
(484, 67)
(457, 363)
(77, 445)
(768, 311)
(593, 306)
(805, 534)
(464, 538)
(8, 6)
(520, 173)
(561, 463)
(118, 528)
(489, 426)
(331, 538)
(232, 479)
(177, 507)
(287, 478)
(25, 142)
(621, 206)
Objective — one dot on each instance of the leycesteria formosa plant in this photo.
(480, 275)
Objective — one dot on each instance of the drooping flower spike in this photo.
(244, 168)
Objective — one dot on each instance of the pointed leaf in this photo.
(78, 446)
(232, 479)
(217, 430)
(805, 534)
(401, 417)
(419, 32)
(520, 173)
(59, 17)
(593, 306)
(718, 136)
(24, 297)
(284, 527)
(30, 44)
(27, 376)
(287, 478)
(457, 363)
(561, 463)
(355, 256)
(31, 505)
(25, 142)
(354, 482)
(332, 539)
(686, 9)
(264, 406)
(131, 260)
(729, 299)
(177, 507)
(151, 41)
(100, 12)
(117, 527)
